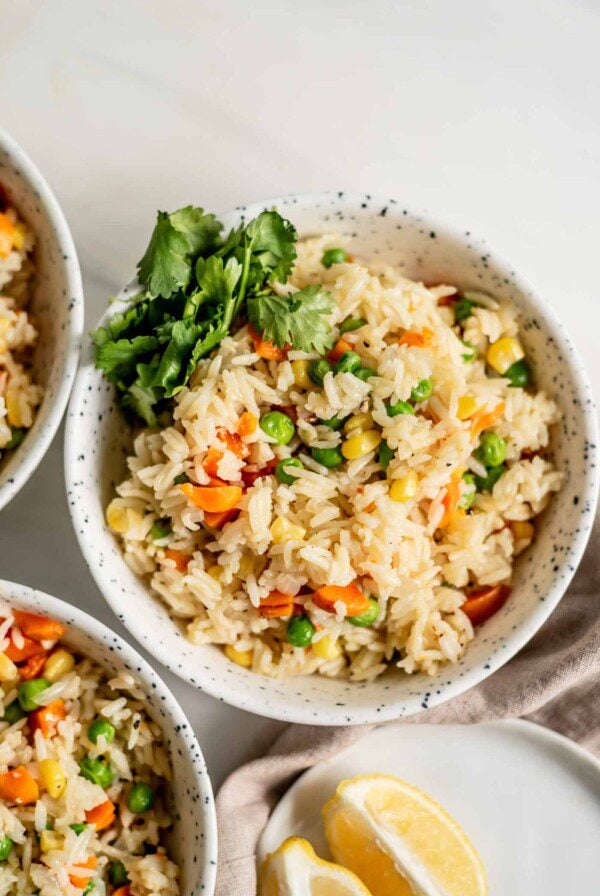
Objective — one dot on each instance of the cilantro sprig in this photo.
(196, 285)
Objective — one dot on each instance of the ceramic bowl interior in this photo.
(98, 441)
(56, 306)
(193, 841)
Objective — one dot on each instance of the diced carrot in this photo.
(211, 461)
(19, 786)
(416, 340)
(101, 816)
(450, 501)
(276, 604)
(234, 442)
(82, 882)
(40, 628)
(20, 654)
(247, 424)
(215, 499)
(218, 520)
(46, 718)
(180, 559)
(250, 476)
(341, 346)
(274, 598)
(484, 602)
(350, 595)
(485, 419)
(446, 300)
(34, 665)
(122, 891)
(266, 348)
(7, 235)
(289, 410)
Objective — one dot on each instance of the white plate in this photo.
(528, 799)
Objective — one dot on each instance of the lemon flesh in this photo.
(295, 870)
(399, 841)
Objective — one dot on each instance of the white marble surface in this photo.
(484, 112)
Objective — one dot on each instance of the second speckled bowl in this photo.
(99, 440)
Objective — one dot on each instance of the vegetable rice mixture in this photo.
(19, 396)
(83, 771)
(340, 464)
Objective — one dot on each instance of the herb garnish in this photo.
(195, 284)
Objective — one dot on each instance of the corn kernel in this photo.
(361, 444)
(53, 778)
(283, 530)
(405, 488)
(215, 572)
(122, 519)
(13, 408)
(301, 377)
(466, 407)
(51, 840)
(19, 236)
(58, 664)
(8, 670)
(326, 648)
(504, 353)
(358, 422)
(241, 657)
(522, 530)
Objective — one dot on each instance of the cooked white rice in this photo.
(19, 395)
(347, 527)
(136, 754)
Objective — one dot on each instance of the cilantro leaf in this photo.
(171, 374)
(299, 319)
(167, 263)
(216, 280)
(119, 359)
(273, 244)
(141, 401)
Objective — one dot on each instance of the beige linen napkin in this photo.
(554, 681)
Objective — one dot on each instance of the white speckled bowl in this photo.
(194, 837)
(98, 441)
(57, 306)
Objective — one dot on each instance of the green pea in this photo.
(333, 256)
(486, 483)
(422, 390)
(467, 500)
(141, 798)
(471, 354)
(333, 422)
(6, 846)
(348, 363)
(117, 874)
(351, 324)
(101, 728)
(98, 771)
(300, 631)
(385, 455)
(519, 373)
(29, 691)
(364, 374)
(278, 426)
(283, 465)
(328, 457)
(16, 437)
(78, 828)
(368, 617)
(318, 369)
(13, 713)
(492, 450)
(183, 477)
(463, 309)
(160, 529)
(401, 407)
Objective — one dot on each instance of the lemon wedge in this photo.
(295, 870)
(399, 841)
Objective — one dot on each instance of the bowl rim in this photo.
(251, 699)
(151, 680)
(39, 442)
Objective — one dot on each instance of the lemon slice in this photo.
(399, 841)
(295, 870)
